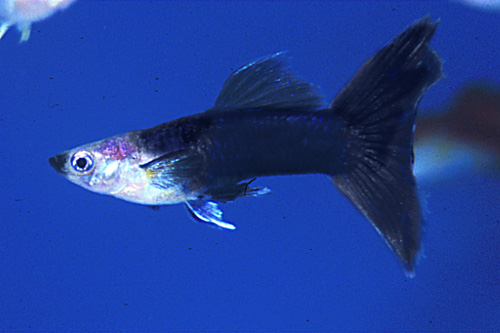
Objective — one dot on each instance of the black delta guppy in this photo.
(267, 122)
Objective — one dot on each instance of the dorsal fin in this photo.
(268, 83)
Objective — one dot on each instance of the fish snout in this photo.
(58, 162)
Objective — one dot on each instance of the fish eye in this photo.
(82, 161)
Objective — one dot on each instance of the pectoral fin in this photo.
(174, 169)
(207, 212)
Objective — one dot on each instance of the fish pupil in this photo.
(81, 163)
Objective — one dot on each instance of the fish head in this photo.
(110, 166)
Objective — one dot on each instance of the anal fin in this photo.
(238, 190)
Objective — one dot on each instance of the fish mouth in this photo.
(58, 162)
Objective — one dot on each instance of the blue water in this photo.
(302, 258)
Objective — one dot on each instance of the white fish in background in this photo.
(22, 13)
(491, 5)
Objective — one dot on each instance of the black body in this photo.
(267, 122)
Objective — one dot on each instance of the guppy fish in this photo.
(23, 13)
(267, 122)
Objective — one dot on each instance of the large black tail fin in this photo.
(379, 106)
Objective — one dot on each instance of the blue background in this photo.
(302, 258)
